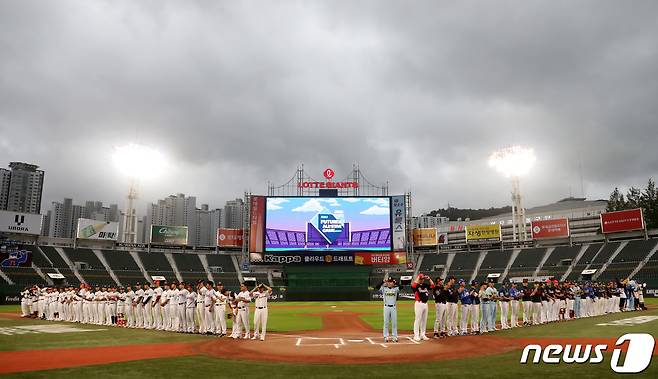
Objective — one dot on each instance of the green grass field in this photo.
(291, 317)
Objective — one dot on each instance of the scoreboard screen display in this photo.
(326, 224)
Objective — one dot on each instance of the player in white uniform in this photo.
(179, 309)
(129, 307)
(147, 300)
(220, 310)
(242, 319)
(156, 306)
(177, 305)
(200, 307)
(260, 295)
(139, 306)
(165, 302)
(190, 307)
(209, 305)
(26, 299)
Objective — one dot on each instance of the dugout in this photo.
(309, 283)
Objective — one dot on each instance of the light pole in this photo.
(514, 162)
(135, 162)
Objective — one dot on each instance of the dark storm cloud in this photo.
(238, 93)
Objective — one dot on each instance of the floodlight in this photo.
(513, 161)
(138, 161)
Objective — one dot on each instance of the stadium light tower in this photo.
(514, 162)
(135, 162)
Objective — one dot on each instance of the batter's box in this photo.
(321, 341)
(338, 342)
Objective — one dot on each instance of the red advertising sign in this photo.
(622, 221)
(257, 224)
(555, 228)
(380, 258)
(229, 237)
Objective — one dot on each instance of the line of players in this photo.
(462, 309)
(177, 307)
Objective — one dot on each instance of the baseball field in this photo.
(306, 339)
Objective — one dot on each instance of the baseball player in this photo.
(466, 305)
(147, 308)
(536, 297)
(209, 299)
(526, 291)
(491, 307)
(504, 300)
(156, 306)
(200, 307)
(475, 308)
(453, 307)
(178, 311)
(514, 295)
(260, 295)
(138, 306)
(440, 299)
(242, 319)
(129, 307)
(421, 293)
(190, 308)
(220, 310)
(26, 297)
(166, 301)
(390, 291)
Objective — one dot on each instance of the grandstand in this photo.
(612, 260)
(463, 265)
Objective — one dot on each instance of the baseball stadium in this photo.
(335, 279)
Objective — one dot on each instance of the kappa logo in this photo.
(638, 354)
(283, 259)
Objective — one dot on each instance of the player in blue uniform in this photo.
(467, 306)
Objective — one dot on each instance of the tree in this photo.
(635, 198)
(649, 202)
(616, 201)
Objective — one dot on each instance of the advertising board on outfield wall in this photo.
(168, 235)
(229, 237)
(21, 223)
(554, 228)
(424, 237)
(380, 258)
(478, 233)
(97, 230)
(622, 221)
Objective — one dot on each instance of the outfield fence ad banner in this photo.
(169, 235)
(555, 228)
(97, 230)
(483, 233)
(424, 237)
(622, 221)
(21, 223)
(229, 237)
(380, 258)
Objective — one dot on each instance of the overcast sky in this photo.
(237, 93)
